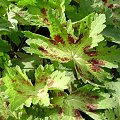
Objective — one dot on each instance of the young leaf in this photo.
(54, 79)
(20, 88)
(97, 27)
(58, 80)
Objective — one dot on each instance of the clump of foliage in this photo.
(59, 59)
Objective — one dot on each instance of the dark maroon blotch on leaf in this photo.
(60, 94)
(80, 37)
(95, 97)
(86, 48)
(46, 21)
(50, 83)
(20, 92)
(96, 64)
(70, 39)
(7, 103)
(88, 52)
(105, 1)
(43, 79)
(61, 111)
(91, 107)
(64, 59)
(43, 11)
(77, 114)
(14, 81)
(42, 49)
(42, 91)
(92, 53)
(110, 6)
(53, 42)
(58, 39)
(26, 82)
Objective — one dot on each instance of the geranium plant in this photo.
(59, 59)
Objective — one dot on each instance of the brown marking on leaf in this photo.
(50, 83)
(26, 82)
(7, 103)
(94, 61)
(59, 58)
(96, 64)
(44, 11)
(77, 114)
(110, 6)
(65, 59)
(92, 53)
(94, 96)
(70, 39)
(14, 81)
(42, 90)
(91, 107)
(16, 84)
(86, 48)
(55, 106)
(43, 79)
(31, 96)
(20, 92)
(80, 37)
(60, 94)
(89, 53)
(64, 25)
(53, 42)
(95, 68)
(105, 1)
(58, 39)
(42, 49)
(53, 55)
(91, 98)
(60, 112)
(46, 21)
